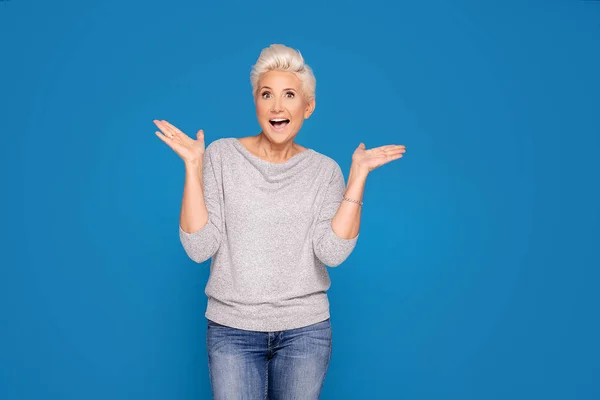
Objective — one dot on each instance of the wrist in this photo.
(357, 172)
(193, 165)
(193, 171)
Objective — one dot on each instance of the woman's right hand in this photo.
(191, 151)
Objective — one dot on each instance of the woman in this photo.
(271, 214)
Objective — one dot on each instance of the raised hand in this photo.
(191, 151)
(368, 160)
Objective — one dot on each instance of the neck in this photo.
(275, 152)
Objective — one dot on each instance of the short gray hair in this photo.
(278, 57)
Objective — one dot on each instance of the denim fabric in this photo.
(252, 365)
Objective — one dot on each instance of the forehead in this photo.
(280, 79)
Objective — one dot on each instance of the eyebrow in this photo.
(266, 87)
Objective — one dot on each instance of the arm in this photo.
(201, 222)
(194, 214)
(339, 220)
(337, 227)
(346, 222)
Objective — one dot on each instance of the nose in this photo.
(277, 106)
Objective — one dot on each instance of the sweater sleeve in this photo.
(329, 248)
(204, 243)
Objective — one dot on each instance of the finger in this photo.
(164, 137)
(394, 151)
(390, 147)
(178, 134)
(164, 128)
(177, 147)
(171, 130)
(389, 158)
(162, 134)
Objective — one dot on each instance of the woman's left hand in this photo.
(368, 160)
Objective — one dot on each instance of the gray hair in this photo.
(278, 57)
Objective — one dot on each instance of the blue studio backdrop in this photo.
(476, 272)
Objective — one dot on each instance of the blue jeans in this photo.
(253, 365)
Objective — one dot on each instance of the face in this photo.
(280, 97)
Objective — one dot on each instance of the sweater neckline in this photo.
(294, 158)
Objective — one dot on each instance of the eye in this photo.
(292, 94)
(264, 93)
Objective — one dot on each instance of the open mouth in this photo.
(279, 123)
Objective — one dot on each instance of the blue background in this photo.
(476, 274)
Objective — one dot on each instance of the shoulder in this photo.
(218, 147)
(328, 167)
(326, 161)
(217, 144)
(215, 152)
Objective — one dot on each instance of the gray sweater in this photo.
(269, 235)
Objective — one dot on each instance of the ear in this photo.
(310, 108)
